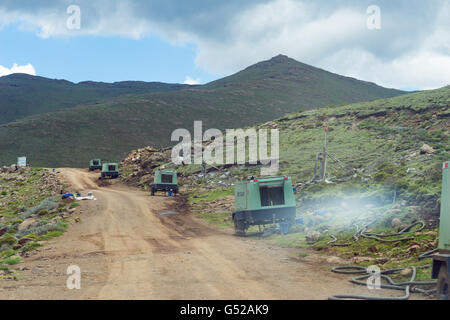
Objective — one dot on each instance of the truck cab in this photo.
(165, 180)
(441, 261)
(95, 164)
(110, 170)
(263, 201)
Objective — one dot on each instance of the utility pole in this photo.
(324, 155)
(204, 170)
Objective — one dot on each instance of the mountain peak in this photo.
(277, 60)
(18, 76)
(280, 58)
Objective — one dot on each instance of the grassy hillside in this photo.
(23, 95)
(109, 129)
(380, 148)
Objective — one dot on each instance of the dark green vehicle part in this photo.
(165, 180)
(95, 164)
(441, 261)
(110, 170)
(263, 201)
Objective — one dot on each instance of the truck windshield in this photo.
(112, 168)
(166, 178)
(95, 163)
(271, 196)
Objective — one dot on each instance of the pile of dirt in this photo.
(223, 204)
(137, 168)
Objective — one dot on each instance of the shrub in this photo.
(74, 205)
(41, 229)
(8, 253)
(47, 204)
(4, 268)
(43, 212)
(12, 261)
(51, 234)
(7, 239)
(31, 246)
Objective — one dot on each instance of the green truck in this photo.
(441, 261)
(165, 180)
(95, 164)
(110, 170)
(263, 201)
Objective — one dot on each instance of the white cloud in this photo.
(422, 69)
(295, 30)
(426, 65)
(191, 81)
(28, 69)
(412, 49)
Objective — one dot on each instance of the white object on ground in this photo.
(89, 196)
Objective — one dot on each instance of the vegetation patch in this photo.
(11, 261)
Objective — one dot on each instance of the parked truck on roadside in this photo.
(110, 170)
(263, 201)
(95, 164)
(441, 261)
(165, 180)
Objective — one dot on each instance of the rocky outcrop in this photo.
(426, 149)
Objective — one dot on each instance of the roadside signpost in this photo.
(22, 161)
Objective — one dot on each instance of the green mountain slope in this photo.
(381, 153)
(109, 129)
(389, 176)
(23, 95)
(304, 84)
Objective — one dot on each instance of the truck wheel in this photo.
(240, 228)
(153, 192)
(443, 284)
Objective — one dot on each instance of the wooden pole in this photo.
(324, 156)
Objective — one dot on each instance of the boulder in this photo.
(335, 260)
(406, 272)
(3, 230)
(382, 260)
(396, 223)
(359, 260)
(412, 249)
(426, 149)
(24, 241)
(312, 236)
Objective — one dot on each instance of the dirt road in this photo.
(130, 245)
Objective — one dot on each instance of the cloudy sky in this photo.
(406, 44)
